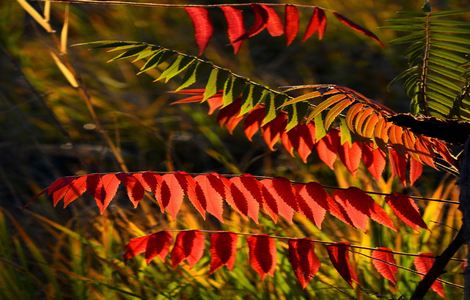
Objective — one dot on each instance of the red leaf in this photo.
(327, 148)
(103, 188)
(351, 156)
(245, 195)
(229, 116)
(203, 28)
(360, 207)
(76, 188)
(135, 247)
(339, 256)
(303, 260)
(59, 188)
(416, 170)
(357, 28)
(374, 160)
(317, 23)
(423, 264)
(313, 201)
(398, 163)
(253, 122)
(236, 28)
(262, 251)
(158, 244)
(223, 250)
(260, 20)
(135, 190)
(385, 263)
(148, 180)
(406, 209)
(274, 23)
(210, 190)
(279, 198)
(291, 23)
(272, 131)
(338, 211)
(189, 246)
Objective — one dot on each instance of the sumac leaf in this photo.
(317, 24)
(357, 28)
(406, 209)
(384, 262)
(189, 246)
(339, 257)
(235, 26)
(203, 28)
(423, 264)
(223, 250)
(303, 260)
(262, 253)
(158, 244)
(291, 23)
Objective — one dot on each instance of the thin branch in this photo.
(152, 4)
(423, 80)
(438, 266)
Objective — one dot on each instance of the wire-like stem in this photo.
(152, 4)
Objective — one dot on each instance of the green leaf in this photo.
(293, 117)
(180, 64)
(448, 56)
(450, 38)
(248, 97)
(320, 131)
(128, 53)
(410, 38)
(436, 67)
(452, 47)
(227, 97)
(154, 60)
(444, 82)
(344, 132)
(211, 86)
(270, 108)
(190, 77)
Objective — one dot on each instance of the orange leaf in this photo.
(245, 195)
(350, 155)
